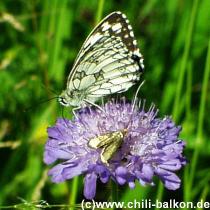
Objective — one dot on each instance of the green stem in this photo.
(186, 194)
(204, 195)
(99, 11)
(189, 91)
(115, 192)
(184, 60)
(159, 196)
(188, 40)
(73, 193)
(199, 138)
(203, 97)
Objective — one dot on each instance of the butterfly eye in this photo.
(63, 101)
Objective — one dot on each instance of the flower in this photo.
(149, 147)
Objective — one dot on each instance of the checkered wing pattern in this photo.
(109, 60)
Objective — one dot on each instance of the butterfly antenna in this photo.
(49, 90)
(136, 95)
(38, 104)
(53, 91)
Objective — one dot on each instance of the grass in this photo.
(199, 136)
(39, 42)
(184, 60)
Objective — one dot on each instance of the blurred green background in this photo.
(39, 40)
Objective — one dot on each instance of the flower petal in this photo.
(54, 151)
(90, 185)
(75, 169)
(171, 165)
(121, 173)
(169, 179)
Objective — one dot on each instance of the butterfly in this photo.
(109, 143)
(109, 62)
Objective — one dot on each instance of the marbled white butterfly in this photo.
(108, 62)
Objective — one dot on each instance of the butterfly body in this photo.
(109, 62)
(73, 98)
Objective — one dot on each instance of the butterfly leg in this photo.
(136, 95)
(102, 101)
(93, 104)
(74, 111)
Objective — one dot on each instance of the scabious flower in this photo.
(149, 148)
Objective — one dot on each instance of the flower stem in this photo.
(73, 193)
(114, 188)
(159, 196)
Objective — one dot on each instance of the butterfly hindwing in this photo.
(105, 59)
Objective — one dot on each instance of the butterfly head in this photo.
(71, 98)
(63, 99)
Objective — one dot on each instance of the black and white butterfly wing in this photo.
(109, 60)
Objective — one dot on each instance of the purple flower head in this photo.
(148, 147)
